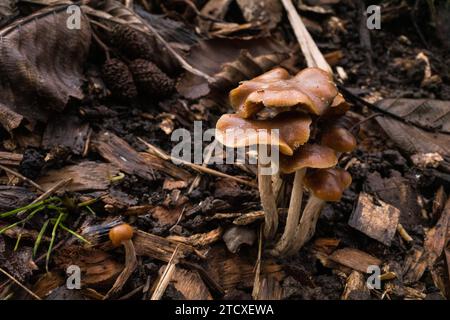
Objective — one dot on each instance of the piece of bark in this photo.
(438, 203)
(237, 271)
(269, 288)
(170, 184)
(128, 160)
(435, 240)
(10, 159)
(138, 210)
(18, 263)
(160, 248)
(47, 283)
(377, 220)
(98, 268)
(190, 284)
(12, 197)
(355, 287)
(86, 176)
(398, 192)
(356, 259)
(326, 245)
(200, 239)
(166, 216)
(66, 131)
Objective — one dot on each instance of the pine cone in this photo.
(150, 80)
(132, 43)
(118, 79)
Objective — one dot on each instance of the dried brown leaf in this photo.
(40, 73)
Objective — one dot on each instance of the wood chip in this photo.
(160, 248)
(66, 131)
(200, 239)
(121, 154)
(99, 269)
(85, 176)
(10, 159)
(377, 220)
(356, 259)
(190, 284)
(231, 270)
(435, 239)
(355, 285)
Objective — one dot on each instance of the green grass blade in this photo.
(31, 215)
(77, 235)
(28, 207)
(52, 241)
(39, 237)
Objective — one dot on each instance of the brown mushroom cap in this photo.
(339, 139)
(328, 184)
(293, 131)
(338, 107)
(309, 156)
(120, 233)
(312, 89)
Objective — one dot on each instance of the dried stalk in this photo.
(166, 276)
(158, 152)
(15, 173)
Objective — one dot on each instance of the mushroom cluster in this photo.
(307, 112)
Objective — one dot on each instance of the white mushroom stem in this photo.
(130, 266)
(307, 225)
(268, 201)
(293, 215)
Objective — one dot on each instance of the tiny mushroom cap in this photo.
(293, 131)
(339, 139)
(309, 156)
(120, 233)
(312, 89)
(328, 184)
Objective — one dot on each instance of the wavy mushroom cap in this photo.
(339, 106)
(312, 89)
(339, 139)
(328, 184)
(120, 233)
(293, 131)
(309, 156)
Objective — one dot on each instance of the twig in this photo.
(158, 152)
(34, 184)
(31, 293)
(364, 34)
(198, 178)
(313, 56)
(47, 194)
(352, 97)
(166, 276)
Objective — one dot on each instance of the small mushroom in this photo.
(312, 89)
(307, 156)
(293, 131)
(339, 139)
(122, 235)
(325, 185)
(328, 184)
